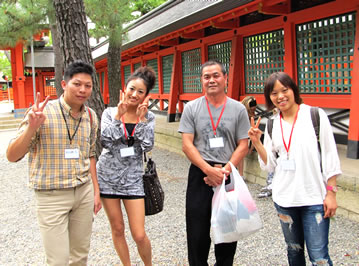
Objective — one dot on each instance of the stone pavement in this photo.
(20, 241)
(167, 137)
(21, 244)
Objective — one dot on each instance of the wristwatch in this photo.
(332, 188)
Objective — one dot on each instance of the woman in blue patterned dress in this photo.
(127, 131)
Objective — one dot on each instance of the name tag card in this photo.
(126, 152)
(72, 153)
(216, 142)
(288, 165)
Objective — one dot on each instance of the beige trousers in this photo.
(65, 219)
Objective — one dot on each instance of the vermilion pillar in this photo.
(174, 93)
(236, 73)
(353, 135)
(17, 68)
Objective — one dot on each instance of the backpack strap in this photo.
(270, 130)
(90, 115)
(314, 114)
(270, 127)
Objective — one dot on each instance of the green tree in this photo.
(145, 6)
(21, 19)
(5, 66)
(74, 44)
(109, 16)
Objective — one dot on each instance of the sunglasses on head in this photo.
(253, 103)
(130, 141)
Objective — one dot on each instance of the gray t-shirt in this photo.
(233, 126)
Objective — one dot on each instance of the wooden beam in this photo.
(229, 24)
(135, 53)
(171, 42)
(193, 35)
(275, 10)
(126, 57)
(150, 49)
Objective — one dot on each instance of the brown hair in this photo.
(287, 82)
(147, 74)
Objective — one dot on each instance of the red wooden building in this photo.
(315, 41)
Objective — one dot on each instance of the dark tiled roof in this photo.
(174, 15)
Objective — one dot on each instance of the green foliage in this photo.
(20, 19)
(108, 17)
(145, 6)
(5, 66)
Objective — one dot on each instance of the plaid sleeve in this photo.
(93, 136)
(22, 127)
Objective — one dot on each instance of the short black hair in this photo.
(212, 63)
(77, 67)
(147, 74)
(286, 81)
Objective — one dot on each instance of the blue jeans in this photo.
(307, 224)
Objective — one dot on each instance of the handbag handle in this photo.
(149, 156)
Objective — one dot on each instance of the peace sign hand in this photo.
(121, 107)
(36, 115)
(254, 132)
(142, 109)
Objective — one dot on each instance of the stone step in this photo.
(9, 126)
(9, 122)
(9, 117)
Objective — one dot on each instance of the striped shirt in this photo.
(48, 168)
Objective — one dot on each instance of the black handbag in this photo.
(154, 195)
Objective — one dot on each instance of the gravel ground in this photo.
(20, 242)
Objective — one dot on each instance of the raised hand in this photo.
(121, 107)
(254, 132)
(36, 115)
(142, 108)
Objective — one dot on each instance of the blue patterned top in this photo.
(122, 176)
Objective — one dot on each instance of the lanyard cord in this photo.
(219, 118)
(67, 126)
(124, 127)
(290, 137)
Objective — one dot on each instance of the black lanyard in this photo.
(67, 126)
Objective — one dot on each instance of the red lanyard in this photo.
(124, 127)
(219, 118)
(290, 137)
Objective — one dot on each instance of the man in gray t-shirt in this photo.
(214, 131)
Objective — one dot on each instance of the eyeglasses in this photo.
(130, 141)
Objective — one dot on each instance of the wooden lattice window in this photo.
(325, 51)
(191, 71)
(264, 54)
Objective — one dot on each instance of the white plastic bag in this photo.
(234, 213)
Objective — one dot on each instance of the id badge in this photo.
(126, 152)
(216, 142)
(288, 165)
(72, 153)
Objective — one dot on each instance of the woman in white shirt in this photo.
(304, 184)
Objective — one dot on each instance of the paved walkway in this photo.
(20, 241)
